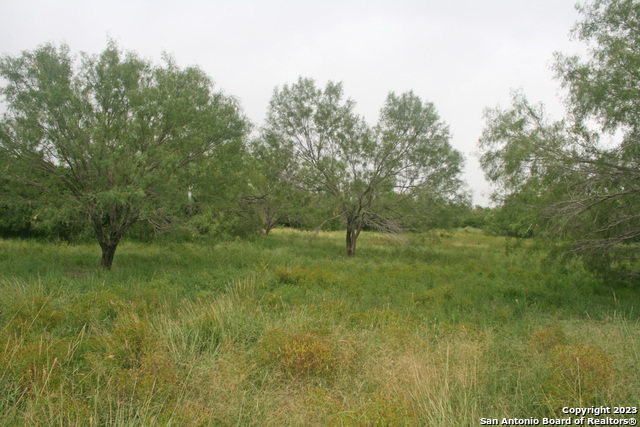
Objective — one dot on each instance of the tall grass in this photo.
(429, 330)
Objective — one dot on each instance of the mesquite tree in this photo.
(364, 172)
(583, 171)
(113, 131)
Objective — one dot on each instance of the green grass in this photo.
(426, 330)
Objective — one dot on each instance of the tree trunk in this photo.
(352, 237)
(267, 228)
(355, 224)
(108, 243)
(109, 230)
(270, 220)
(108, 252)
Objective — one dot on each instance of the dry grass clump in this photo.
(545, 339)
(426, 381)
(443, 380)
(579, 375)
(297, 354)
(216, 390)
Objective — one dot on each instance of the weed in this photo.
(374, 409)
(547, 338)
(289, 275)
(296, 354)
(373, 318)
(131, 340)
(433, 332)
(315, 275)
(435, 295)
(94, 308)
(579, 374)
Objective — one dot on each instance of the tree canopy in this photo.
(583, 172)
(111, 136)
(363, 171)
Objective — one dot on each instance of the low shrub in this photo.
(296, 354)
(579, 374)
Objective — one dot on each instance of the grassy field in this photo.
(281, 331)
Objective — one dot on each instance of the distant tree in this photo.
(116, 132)
(16, 210)
(585, 188)
(272, 196)
(435, 211)
(217, 186)
(364, 172)
(477, 217)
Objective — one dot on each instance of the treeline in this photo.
(111, 144)
(21, 217)
(24, 217)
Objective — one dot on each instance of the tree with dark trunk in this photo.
(353, 231)
(332, 152)
(115, 133)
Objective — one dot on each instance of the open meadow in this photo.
(425, 330)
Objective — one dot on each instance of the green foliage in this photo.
(366, 173)
(375, 409)
(478, 217)
(604, 86)
(272, 197)
(113, 139)
(565, 175)
(15, 220)
(515, 217)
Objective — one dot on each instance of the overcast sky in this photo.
(463, 55)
